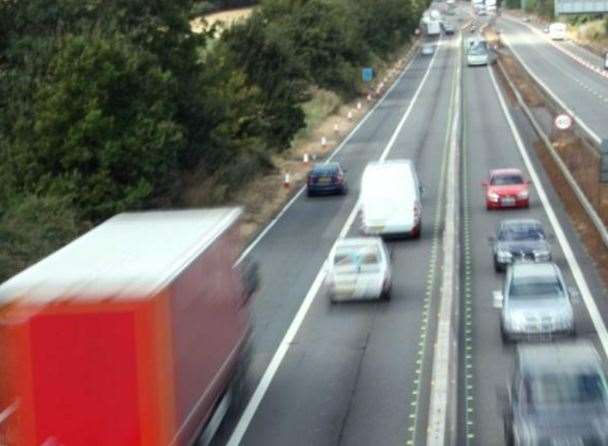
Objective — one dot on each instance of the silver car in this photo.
(535, 303)
(359, 268)
(557, 396)
(427, 49)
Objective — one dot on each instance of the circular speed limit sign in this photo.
(563, 121)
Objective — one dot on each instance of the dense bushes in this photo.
(113, 105)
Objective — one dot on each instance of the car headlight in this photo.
(504, 256)
(523, 195)
(515, 323)
(493, 196)
(542, 255)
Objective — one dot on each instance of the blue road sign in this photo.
(367, 74)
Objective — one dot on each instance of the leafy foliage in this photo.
(112, 105)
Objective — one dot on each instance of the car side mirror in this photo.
(498, 299)
(491, 239)
(574, 295)
(250, 274)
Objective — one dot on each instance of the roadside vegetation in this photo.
(108, 106)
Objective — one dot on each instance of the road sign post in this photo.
(604, 161)
(563, 121)
(367, 74)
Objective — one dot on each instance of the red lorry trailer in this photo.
(129, 335)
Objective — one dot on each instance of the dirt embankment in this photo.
(581, 159)
(224, 18)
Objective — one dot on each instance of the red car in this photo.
(507, 188)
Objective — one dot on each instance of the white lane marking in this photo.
(577, 272)
(252, 406)
(561, 103)
(444, 357)
(561, 48)
(337, 150)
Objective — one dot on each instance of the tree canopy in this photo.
(107, 105)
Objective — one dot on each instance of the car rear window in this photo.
(325, 169)
(531, 287)
(516, 232)
(357, 256)
(506, 180)
(556, 389)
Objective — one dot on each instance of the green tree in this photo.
(31, 228)
(100, 129)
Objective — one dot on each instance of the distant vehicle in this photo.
(519, 239)
(136, 332)
(482, 11)
(327, 178)
(506, 188)
(535, 303)
(391, 199)
(428, 49)
(557, 395)
(433, 27)
(448, 28)
(477, 52)
(546, 30)
(557, 31)
(526, 19)
(359, 269)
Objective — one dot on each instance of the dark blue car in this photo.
(326, 179)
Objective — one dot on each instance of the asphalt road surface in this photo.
(359, 373)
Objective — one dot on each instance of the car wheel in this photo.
(508, 434)
(497, 266)
(386, 294)
(504, 335)
(344, 190)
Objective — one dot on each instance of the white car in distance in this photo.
(558, 31)
(359, 268)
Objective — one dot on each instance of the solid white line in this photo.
(258, 395)
(443, 353)
(561, 103)
(337, 150)
(577, 272)
(562, 48)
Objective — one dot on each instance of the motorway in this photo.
(581, 89)
(359, 374)
(489, 142)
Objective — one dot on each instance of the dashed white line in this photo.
(272, 368)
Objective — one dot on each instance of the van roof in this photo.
(131, 254)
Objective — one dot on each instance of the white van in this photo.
(390, 199)
(557, 31)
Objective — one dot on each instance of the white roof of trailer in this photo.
(131, 254)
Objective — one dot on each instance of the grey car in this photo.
(519, 239)
(448, 28)
(535, 303)
(557, 396)
(428, 49)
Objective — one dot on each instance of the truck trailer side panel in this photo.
(209, 325)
